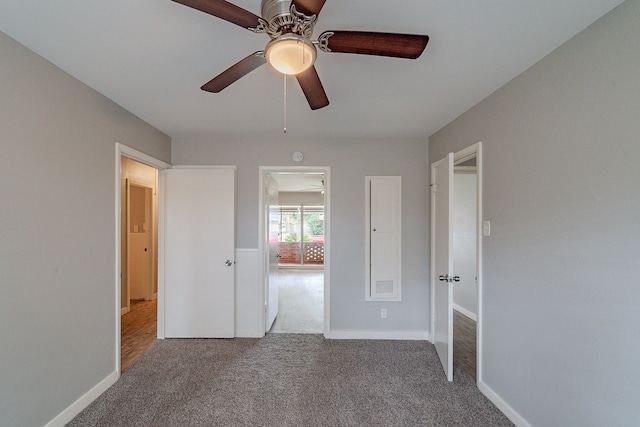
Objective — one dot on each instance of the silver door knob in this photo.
(228, 263)
(449, 279)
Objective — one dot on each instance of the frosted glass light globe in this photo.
(290, 54)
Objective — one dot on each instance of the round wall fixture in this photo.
(297, 157)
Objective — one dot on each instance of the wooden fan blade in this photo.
(312, 88)
(224, 10)
(408, 46)
(309, 7)
(235, 72)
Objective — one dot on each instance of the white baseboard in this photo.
(249, 333)
(76, 407)
(466, 312)
(124, 310)
(378, 335)
(511, 413)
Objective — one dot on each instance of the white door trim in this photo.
(123, 150)
(326, 170)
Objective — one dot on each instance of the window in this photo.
(301, 238)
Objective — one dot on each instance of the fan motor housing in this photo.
(274, 8)
(281, 17)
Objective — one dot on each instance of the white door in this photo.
(272, 236)
(442, 261)
(139, 242)
(385, 238)
(199, 253)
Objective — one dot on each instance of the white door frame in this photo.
(470, 152)
(263, 251)
(123, 150)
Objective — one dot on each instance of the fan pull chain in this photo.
(285, 103)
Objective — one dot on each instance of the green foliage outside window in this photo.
(313, 224)
(294, 237)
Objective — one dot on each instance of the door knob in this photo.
(278, 255)
(456, 278)
(228, 263)
(444, 278)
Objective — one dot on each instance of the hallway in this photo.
(138, 332)
(464, 343)
(301, 302)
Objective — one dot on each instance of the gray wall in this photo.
(57, 239)
(562, 267)
(350, 162)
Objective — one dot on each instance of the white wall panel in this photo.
(249, 293)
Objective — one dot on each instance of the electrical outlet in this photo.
(383, 313)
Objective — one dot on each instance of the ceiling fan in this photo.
(289, 24)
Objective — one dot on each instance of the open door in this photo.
(272, 236)
(139, 242)
(199, 261)
(442, 261)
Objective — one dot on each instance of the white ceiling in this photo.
(152, 56)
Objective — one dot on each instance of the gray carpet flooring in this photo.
(290, 380)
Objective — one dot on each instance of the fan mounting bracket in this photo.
(263, 27)
(323, 41)
(282, 17)
(303, 24)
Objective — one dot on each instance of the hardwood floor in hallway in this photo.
(138, 332)
(464, 343)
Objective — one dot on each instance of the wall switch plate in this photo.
(383, 313)
(486, 228)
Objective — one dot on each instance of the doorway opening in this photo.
(139, 260)
(295, 228)
(137, 194)
(464, 265)
(456, 261)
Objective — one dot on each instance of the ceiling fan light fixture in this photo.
(290, 54)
